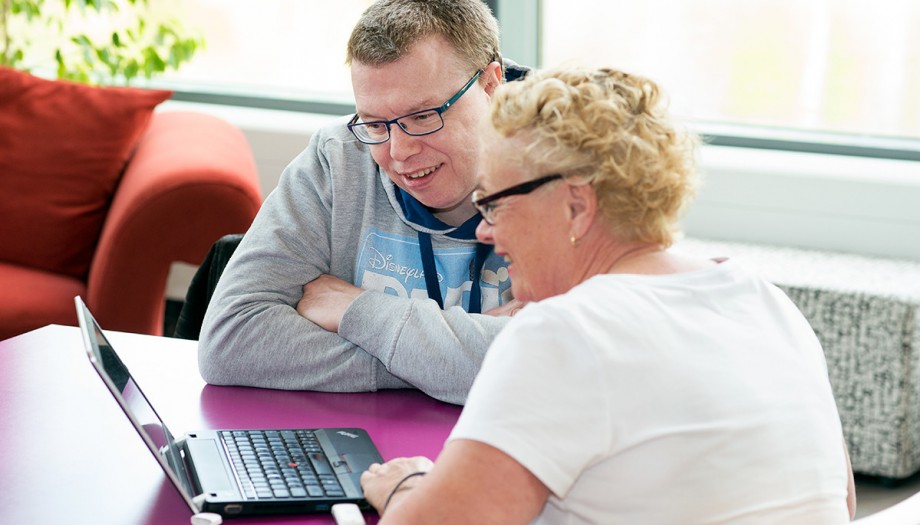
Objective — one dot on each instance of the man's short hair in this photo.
(389, 28)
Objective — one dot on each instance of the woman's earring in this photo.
(573, 240)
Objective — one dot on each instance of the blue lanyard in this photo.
(431, 272)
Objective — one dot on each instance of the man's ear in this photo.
(582, 208)
(493, 77)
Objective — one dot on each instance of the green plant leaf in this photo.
(82, 40)
(130, 71)
(59, 59)
(142, 47)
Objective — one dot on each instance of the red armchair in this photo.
(190, 180)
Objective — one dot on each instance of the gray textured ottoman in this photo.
(864, 311)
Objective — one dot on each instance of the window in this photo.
(840, 66)
(786, 72)
(286, 50)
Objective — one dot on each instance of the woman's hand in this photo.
(325, 300)
(378, 481)
(510, 308)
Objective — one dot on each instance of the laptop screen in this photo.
(135, 401)
(132, 400)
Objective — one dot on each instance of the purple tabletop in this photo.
(69, 455)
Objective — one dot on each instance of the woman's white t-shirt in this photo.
(700, 397)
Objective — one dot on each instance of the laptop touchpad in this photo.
(209, 465)
(358, 462)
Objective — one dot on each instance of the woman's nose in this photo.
(484, 233)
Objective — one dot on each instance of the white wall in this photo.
(830, 202)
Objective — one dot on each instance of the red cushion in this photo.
(63, 147)
(32, 299)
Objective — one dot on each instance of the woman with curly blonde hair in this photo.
(640, 385)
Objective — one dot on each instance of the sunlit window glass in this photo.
(272, 48)
(845, 66)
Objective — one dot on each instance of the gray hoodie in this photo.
(336, 212)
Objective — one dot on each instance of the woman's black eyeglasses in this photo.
(486, 203)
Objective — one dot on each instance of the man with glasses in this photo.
(362, 270)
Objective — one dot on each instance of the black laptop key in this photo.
(329, 482)
(310, 479)
(331, 486)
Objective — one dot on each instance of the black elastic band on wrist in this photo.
(398, 485)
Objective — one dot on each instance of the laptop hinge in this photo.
(175, 456)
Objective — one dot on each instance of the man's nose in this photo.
(402, 145)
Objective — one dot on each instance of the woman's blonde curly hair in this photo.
(609, 129)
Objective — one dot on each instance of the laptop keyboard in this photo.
(281, 464)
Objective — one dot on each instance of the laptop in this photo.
(239, 472)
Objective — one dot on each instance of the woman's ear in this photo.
(582, 208)
(493, 77)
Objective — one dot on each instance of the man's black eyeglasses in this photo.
(486, 203)
(424, 122)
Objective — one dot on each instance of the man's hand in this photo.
(325, 300)
(510, 308)
(378, 481)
